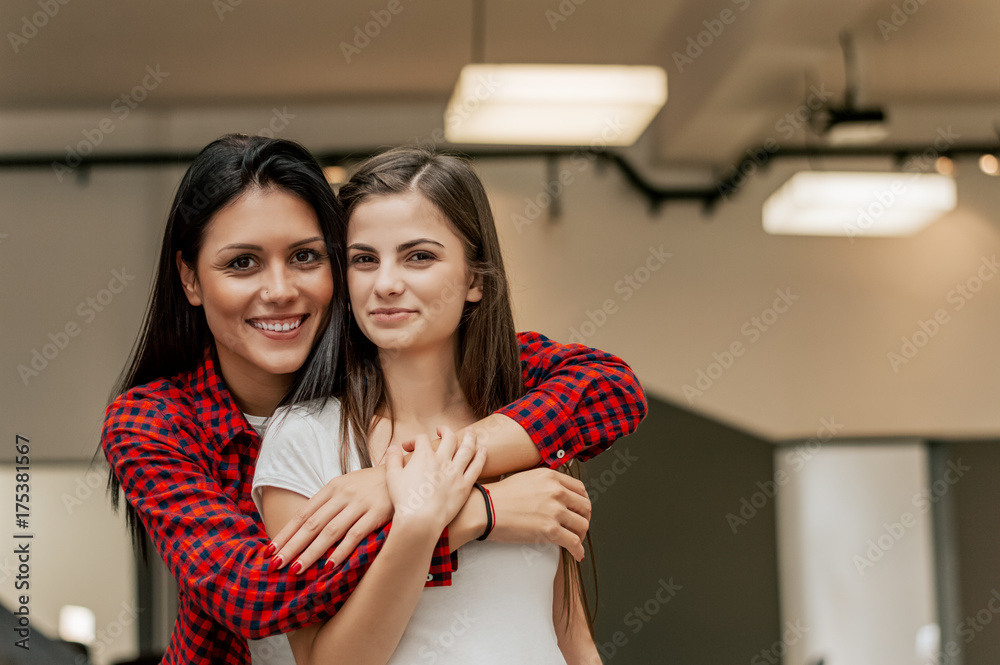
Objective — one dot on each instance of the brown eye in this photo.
(307, 256)
(242, 263)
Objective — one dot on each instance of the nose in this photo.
(388, 280)
(279, 286)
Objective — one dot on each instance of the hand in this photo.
(434, 484)
(348, 508)
(541, 505)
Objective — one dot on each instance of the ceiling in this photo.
(938, 67)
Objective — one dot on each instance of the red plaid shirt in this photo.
(185, 456)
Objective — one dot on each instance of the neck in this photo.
(256, 393)
(424, 388)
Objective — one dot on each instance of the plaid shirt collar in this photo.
(210, 395)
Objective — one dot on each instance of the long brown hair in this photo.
(488, 354)
(487, 357)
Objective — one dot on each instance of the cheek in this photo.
(357, 286)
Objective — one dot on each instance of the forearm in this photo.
(579, 400)
(214, 550)
(508, 447)
(368, 627)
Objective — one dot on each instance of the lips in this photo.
(391, 314)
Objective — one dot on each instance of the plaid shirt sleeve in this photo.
(580, 400)
(213, 548)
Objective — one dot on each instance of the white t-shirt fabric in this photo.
(498, 609)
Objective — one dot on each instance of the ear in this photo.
(189, 280)
(475, 293)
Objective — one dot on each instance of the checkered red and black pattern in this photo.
(184, 455)
(580, 400)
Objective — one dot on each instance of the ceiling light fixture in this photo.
(849, 124)
(832, 203)
(578, 105)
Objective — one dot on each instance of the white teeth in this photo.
(277, 327)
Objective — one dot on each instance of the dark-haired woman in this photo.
(248, 288)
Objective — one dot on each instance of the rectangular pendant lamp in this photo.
(579, 105)
(858, 204)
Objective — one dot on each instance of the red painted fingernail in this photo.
(276, 562)
(271, 549)
(296, 567)
(330, 563)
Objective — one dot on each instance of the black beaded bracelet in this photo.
(489, 511)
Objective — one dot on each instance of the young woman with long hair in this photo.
(431, 343)
(247, 311)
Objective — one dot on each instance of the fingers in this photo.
(292, 527)
(476, 466)
(408, 446)
(394, 456)
(310, 522)
(465, 452)
(324, 540)
(575, 550)
(576, 525)
(361, 529)
(449, 443)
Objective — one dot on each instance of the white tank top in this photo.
(498, 609)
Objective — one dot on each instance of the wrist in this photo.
(415, 530)
(470, 522)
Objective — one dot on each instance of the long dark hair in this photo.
(175, 336)
(488, 354)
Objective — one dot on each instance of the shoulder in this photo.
(321, 415)
(163, 396)
(154, 411)
(529, 337)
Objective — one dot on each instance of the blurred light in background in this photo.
(989, 164)
(830, 203)
(944, 166)
(77, 624)
(554, 104)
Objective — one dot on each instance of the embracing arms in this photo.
(579, 401)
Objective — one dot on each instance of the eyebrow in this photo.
(261, 249)
(399, 248)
